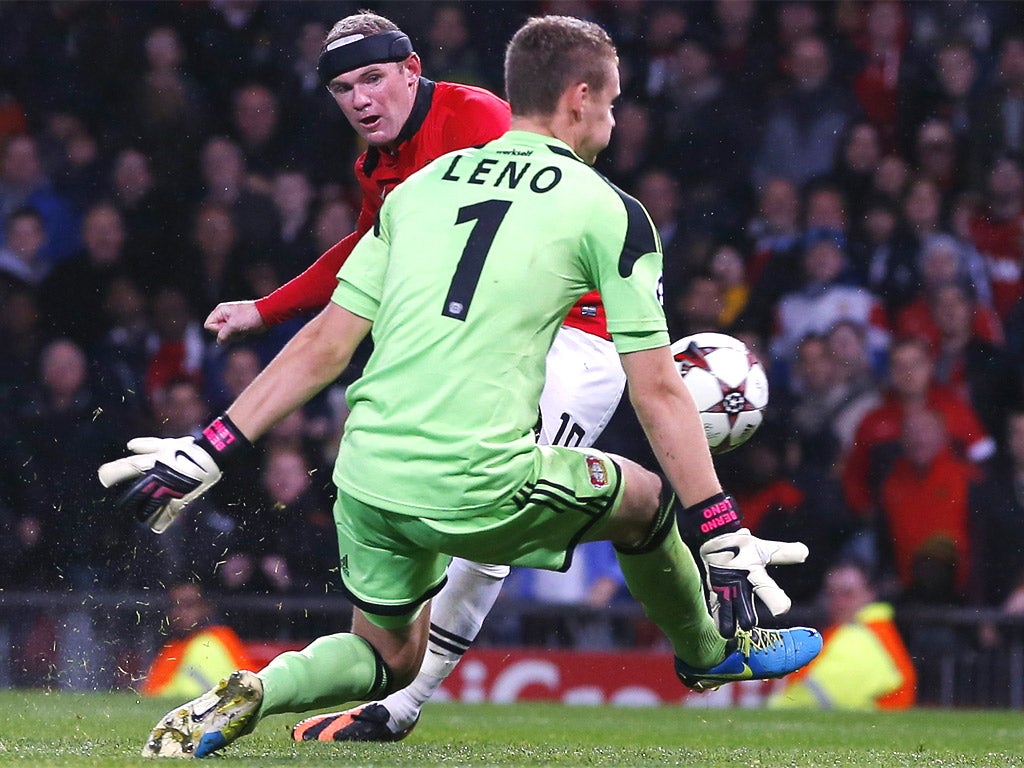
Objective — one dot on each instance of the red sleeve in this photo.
(310, 290)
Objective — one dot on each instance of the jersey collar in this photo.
(537, 140)
(418, 114)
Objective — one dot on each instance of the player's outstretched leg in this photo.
(662, 574)
(206, 724)
(456, 616)
(759, 654)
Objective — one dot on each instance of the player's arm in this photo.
(171, 472)
(734, 560)
(307, 292)
(313, 358)
(671, 421)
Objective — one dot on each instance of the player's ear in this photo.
(413, 66)
(575, 98)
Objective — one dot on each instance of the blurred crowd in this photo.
(839, 184)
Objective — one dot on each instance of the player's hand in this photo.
(232, 320)
(734, 565)
(168, 474)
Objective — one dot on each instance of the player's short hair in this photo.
(362, 23)
(549, 54)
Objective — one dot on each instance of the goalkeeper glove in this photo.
(734, 563)
(171, 472)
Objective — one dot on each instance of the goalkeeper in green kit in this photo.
(463, 283)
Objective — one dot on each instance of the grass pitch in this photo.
(40, 730)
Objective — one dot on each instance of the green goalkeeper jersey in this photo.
(467, 275)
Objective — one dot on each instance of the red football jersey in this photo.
(445, 117)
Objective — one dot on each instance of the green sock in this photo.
(667, 583)
(330, 671)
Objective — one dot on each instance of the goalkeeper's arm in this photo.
(169, 473)
(734, 560)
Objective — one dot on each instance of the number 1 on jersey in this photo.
(488, 216)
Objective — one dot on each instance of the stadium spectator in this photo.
(231, 373)
(198, 652)
(287, 534)
(998, 232)
(892, 176)
(949, 98)
(943, 260)
(168, 110)
(818, 396)
(978, 370)
(629, 156)
(804, 124)
(334, 221)
(776, 234)
(824, 298)
(449, 52)
(704, 138)
(1000, 127)
(294, 246)
(925, 506)
(22, 262)
(257, 127)
(21, 338)
(154, 218)
(24, 182)
(698, 308)
(71, 151)
(64, 423)
(859, 376)
(84, 281)
(728, 266)
(178, 348)
(997, 509)
(743, 55)
(877, 75)
(122, 353)
(218, 266)
(594, 580)
(935, 157)
(863, 662)
(854, 173)
(872, 254)
(912, 387)
(658, 190)
(921, 206)
(225, 181)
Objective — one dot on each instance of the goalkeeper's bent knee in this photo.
(660, 525)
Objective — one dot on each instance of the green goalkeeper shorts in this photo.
(391, 563)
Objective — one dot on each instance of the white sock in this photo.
(456, 615)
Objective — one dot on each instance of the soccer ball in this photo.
(729, 384)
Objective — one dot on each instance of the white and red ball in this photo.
(728, 383)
